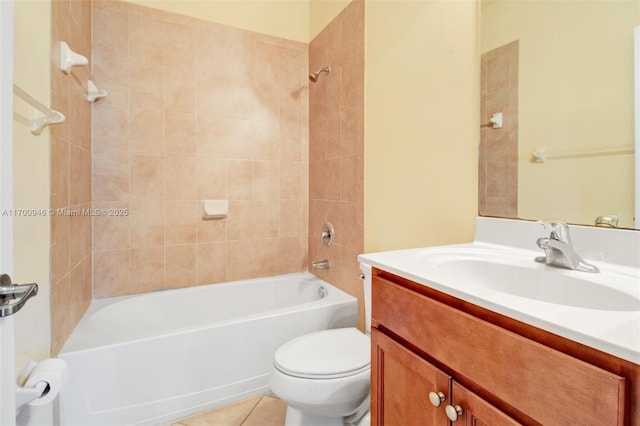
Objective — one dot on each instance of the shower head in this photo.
(314, 76)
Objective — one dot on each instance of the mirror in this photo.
(557, 135)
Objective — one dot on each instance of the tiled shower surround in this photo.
(196, 111)
(498, 159)
(70, 175)
(336, 148)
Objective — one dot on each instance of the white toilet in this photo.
(324, 377)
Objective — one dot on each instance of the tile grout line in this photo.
(251, 411)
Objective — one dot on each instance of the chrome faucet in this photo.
(559, 250)
(324, 264)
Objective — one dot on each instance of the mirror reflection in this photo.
(557, 135)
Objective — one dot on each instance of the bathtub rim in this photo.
(336, 297)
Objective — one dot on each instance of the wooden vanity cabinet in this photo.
(403, 381)
(497, 370)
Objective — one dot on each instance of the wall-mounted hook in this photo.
(93, 93)
(496, 120)
(70, 59)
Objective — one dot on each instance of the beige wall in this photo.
(299, 20)
(421, 123)
(196, 110)
(576, 93)
(32, 42)
(321, 12)
(284, 19)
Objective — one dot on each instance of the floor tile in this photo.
(268, 412)
(232, 415)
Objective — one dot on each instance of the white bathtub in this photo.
(156, 357)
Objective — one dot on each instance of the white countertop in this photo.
(614, 331)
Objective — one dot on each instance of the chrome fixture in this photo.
(327, 234)
(323, 264)
(313, 77)
(559, 250)
(610, 221)
(322, 292)
(14, 296)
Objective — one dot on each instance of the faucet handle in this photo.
(557, 230)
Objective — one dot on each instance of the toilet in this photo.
(324, 377)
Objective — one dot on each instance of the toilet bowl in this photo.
(324, 377)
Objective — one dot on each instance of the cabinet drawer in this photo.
(552, 388)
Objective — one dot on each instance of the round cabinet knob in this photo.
(453, 412)
(436, 398)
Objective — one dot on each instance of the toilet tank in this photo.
(366, 282)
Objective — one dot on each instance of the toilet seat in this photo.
(326, 354)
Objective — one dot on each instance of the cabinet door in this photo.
(475, 411)
(401, 382)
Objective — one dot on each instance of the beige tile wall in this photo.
(70, 175)
(498, 156)
(195, 111)
(336, 148)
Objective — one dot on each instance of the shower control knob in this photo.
(327, 234)
(436, 399)
(453, 412)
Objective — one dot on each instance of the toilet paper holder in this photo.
(27, 395)
(42, 382)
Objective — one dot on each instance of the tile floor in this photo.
(257, 411)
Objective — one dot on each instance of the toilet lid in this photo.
(325, 354)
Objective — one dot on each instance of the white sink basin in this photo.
(497, 272)
(517, 274)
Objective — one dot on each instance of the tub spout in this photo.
(323, 264)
